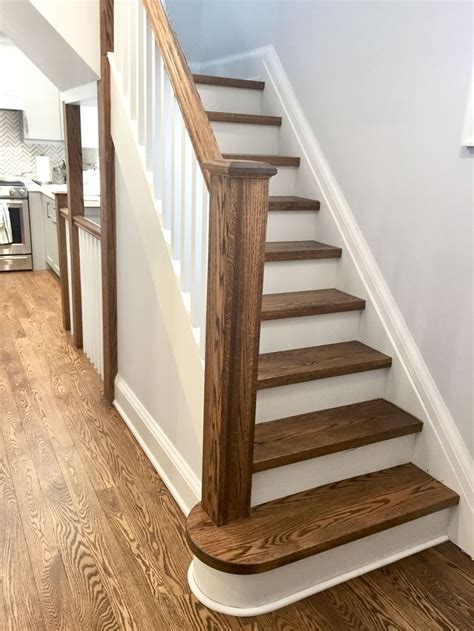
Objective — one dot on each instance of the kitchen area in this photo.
(32, 162)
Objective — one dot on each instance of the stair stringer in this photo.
(439, 449)
(181, 476)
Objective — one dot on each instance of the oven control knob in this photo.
(12, 192)
(22, 192)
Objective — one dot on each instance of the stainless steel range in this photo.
(15, 250)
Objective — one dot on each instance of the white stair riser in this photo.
(329, 328)
(220, 99)
(280, 276)
(245, 595)
(284, 182)
(301, 476)
(289, 225)
(244, 138)
(299, 398)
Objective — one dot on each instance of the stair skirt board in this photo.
(311, 396)
(253, 595)
(308, 474)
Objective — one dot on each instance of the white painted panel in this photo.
(288, 225)
(284, 182)
(301, 476)
(282, 276)
(242, 138)
(279, 335)
(219, 99)
(274, 403)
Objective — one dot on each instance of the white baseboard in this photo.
(440, 450)
(180, 480)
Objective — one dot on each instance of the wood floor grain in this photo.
(90, 538)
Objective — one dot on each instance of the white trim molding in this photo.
(181, 481)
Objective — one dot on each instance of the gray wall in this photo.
(384, 86)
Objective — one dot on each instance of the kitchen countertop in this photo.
(90, 201)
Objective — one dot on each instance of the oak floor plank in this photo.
(120, 486)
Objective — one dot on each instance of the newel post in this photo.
(237, 230)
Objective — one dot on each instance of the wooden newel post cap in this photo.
(240, 168)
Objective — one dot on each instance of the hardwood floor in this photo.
(90, 538)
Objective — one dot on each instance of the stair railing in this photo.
(214, 213)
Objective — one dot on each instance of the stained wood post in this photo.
(75, 202)
(61, 227)
(107, 202)
(237, 229)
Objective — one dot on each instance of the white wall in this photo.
(384, 86)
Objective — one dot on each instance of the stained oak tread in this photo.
(307, 523)
(300, 250)
(318, 362)
(292, 202)
(305, 303)
(276, 161)
(297, 438)
(228, 82)
(249, 119)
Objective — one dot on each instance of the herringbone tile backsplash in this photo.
(18, 157)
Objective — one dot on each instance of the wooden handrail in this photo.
(89, 226)
(193, 112)
(237, 230)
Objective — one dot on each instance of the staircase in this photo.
(307, 475)
(293, 527)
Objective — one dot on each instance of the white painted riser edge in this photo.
(301, 476)
(288, 225)
(311, 396)
(281, 276)
(221, 99)
(280, 335)
(243, 138)
(257, 594)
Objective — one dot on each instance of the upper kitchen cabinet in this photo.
(42, 115)
(26, 88)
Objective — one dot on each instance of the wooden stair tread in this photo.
(276, 161)
(299, 250)
(318, 362)
(296, 438)
(305, 303)
(292, 202)
(228, 82)
(249, 119)
(307, 523)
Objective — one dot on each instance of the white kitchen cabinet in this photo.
(51, 238)
(38, 230)
(42, 116)
(12, 85)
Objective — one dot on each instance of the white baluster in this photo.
(187, 176)
(177, 175)
(157, 149)
(126, 47)
(204, 250)
(150, 61)
(142, 61)
(133, 59)
(167, 135)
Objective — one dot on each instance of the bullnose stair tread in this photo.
(307, 523)
(249, 119)
(297, 438)
(305, 303)
(300, 250)
(274, 160)
(228, 82)
(292, 202)
(318, 362)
